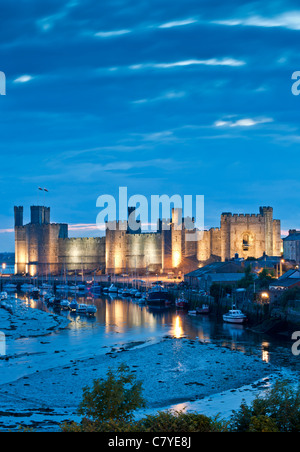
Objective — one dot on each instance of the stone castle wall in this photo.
(47, 245)
(81, 253)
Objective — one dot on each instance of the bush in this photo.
(178, 421)
(109, 403)
(281, 406)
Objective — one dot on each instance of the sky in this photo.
(168, 97)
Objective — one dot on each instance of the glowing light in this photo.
(176, 258)
(178, 331)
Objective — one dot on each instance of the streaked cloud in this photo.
(245, 122)
(178, 23)
(185, 63)
(111, 34)
(170, 95)
(289, 20)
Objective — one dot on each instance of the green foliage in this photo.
(109, 407)
(247, 280)
(112, 400)
(179, 421)
(265, 278)
(262, 424)
(279, 409)
(165, 422)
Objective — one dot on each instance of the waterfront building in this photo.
(42, 247)
(228, 272)
(291, 246)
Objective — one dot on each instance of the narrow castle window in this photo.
(246, 242)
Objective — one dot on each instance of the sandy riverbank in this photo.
(174, 371)
(26, 322)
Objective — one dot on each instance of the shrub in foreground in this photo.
(278, 410)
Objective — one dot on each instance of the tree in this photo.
(247, 280)
(278, 411)
(110, 402)
(264, 279)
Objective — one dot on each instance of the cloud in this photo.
(48, 22)
(246, 122)
(178, 23)
(170, 95)
(111, 34)
(289, 20)
(185, 63)
(23, 79)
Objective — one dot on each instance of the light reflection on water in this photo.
(119, 321)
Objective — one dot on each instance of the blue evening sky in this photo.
(163, 97)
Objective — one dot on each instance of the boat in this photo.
(46, 286)
(62, 287)
(82, 309)
(182, 302)
(65, 304)
(26, 287)
(113, 288)
(91, 309)
(234, 316)
(81, 287)
(73, 288)
(48, 296)
(10, 286)
(158, 296)
(50, 300)
(203, 310)
(73, 305)
(126, 293)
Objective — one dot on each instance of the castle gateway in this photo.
(42, 247)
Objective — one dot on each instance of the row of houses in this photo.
(231, 272)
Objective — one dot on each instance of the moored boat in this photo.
(234, 316)
(158, 296)
(203, 310)
(73, 305)
(182, 302)
(82, 309)
(91, 309)
(10, 287)
(65, 304)
(113, 289)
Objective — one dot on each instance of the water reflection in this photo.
(122, 320)
(177, 329)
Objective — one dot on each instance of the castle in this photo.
(42, 247)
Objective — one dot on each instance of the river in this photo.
(122, 321)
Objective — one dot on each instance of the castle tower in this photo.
(267, 213)
(20, 242)
(40, 215)
(19, 211)
(226, 219)
(177, 238)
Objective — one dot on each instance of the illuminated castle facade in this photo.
(42, 247)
